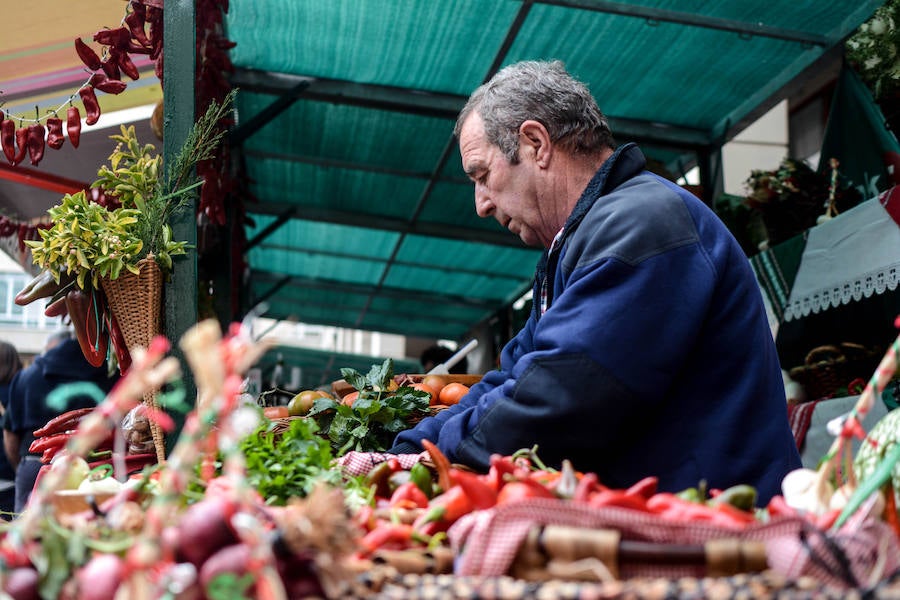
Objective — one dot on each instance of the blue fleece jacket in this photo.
(654, 356)
(64, 363)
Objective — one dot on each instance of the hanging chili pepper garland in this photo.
(106, 69)
(25, 231)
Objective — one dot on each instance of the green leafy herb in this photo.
(289, 465)
(377, 415)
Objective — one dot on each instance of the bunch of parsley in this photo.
(376, 416)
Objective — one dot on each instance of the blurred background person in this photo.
(10, 364)
(436, 354)
(60, 363)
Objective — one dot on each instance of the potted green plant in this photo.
(90, 240)
(119, 230)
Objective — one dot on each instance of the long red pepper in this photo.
(91, 106)
(619, 498)
(408, 495)
(55, 137)
(441, 464)
(386, 533)
(36, 143)
(57, 308)
(135, 21)
(22, 143)
(127, 65)
(479, 491)
(8, 139)
(73, 125)
(87, 54)
(64, 422)
(120, 346)
(49, 441)
(110, 65)
(445, 509)
(84, 311)
(109, 86)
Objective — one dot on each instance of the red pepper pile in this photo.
(50, 439)
(408, 514)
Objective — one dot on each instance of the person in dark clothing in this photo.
(647, 351)
(10, 364)
(62, 362)
(436, 354)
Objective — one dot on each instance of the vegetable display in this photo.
(379, 410)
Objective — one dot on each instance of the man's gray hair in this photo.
(542, 91)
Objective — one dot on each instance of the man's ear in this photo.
(535, 138)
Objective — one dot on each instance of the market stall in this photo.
(305, 506)
(163, 492)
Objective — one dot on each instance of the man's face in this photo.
(503, 190)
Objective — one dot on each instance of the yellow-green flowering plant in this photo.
(89, 240)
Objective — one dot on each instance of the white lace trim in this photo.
(864, 286)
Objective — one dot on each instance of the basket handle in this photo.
(823, 353)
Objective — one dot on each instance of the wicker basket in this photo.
(136, 303)
(829, 368)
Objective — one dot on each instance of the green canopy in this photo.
(360, 215)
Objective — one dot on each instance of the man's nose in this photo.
(483, 205)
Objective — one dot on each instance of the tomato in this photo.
(350, 398)
(452, 392)
(436, 381)
(302, 402)
(432, 392)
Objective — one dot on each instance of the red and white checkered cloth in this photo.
(486, 542)
(360, 463)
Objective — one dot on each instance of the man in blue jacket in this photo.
(648, 351)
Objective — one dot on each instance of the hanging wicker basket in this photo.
(136, 303)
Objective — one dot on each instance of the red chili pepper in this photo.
(36, 143)
(501, 466)
(385, 534)
(587, 486)
(523, 489)
(22, 143)
(118, 37)
(117, 339)
(50, 453)
(644, 488)
(8, 139)
(73, 125)
(135, 21)
(619, 498)
(49, 441)
(109, 86)
(57, 308)
(87, 54)
(110, 65)
(445, 508)
(478, 490)
(67, 421)
(127, 65)
(732, 516)
(663, 501)
(91, 106)
(441, 464)
(55, 137)
(408, 495)
(85, 311)
(778, 507)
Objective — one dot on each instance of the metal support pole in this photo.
(179, 82)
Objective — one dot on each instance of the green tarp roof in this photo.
(361, 215)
